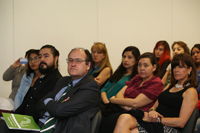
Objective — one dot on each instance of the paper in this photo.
(20, 122)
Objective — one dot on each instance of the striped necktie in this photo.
(51, 121)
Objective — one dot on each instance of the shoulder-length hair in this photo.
(101, 48)
(183, 45)
(166, 53)
(187, 61)
(121, 70)
(153, 61)
(29, 70)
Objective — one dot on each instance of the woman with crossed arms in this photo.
(174, 106)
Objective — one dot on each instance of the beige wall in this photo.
(66, 24)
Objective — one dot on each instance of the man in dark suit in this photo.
(80, 103)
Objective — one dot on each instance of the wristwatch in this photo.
(158, 119)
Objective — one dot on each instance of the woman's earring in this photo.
(189, 74)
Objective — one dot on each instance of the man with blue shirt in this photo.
(75, 99)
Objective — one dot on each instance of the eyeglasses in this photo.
(33, 59)
(78, 61)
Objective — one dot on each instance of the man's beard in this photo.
(46, 70)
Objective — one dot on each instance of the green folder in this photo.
(20, 122)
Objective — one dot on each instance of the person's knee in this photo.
(125, 118)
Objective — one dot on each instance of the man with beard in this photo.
(74, 101)
(49, 69)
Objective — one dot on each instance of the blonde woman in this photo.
(101, 69)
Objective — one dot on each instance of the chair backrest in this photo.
(95, 122)
(190, 125)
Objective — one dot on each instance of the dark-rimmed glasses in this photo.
(36, 59)
(77, 60)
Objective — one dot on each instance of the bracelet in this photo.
(152, 109)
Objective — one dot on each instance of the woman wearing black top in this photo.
(174, 105)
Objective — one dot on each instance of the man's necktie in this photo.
(51, 121)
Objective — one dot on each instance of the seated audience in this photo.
(126, 71)
(48, 67)
(101, 69)
(177, 47)
(174, 106)
(29, 78)
(70, 107)
(162, 53)
(141, 92)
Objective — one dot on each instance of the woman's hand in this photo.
(111, 99)
(146, 117)
(153, 115)
(16, 63)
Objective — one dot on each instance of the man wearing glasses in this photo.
(74, 100)
(70, 107)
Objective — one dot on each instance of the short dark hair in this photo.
(153, 60)
(186, 60)
(28, 52)
(88, 55)
(54, 51)
(29, 70)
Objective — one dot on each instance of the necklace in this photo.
(179, 86)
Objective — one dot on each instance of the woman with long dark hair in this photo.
(142, 92)
(29, 78)
(126, 71)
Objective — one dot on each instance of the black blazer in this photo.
(75, 114)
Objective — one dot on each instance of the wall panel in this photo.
(67, 24)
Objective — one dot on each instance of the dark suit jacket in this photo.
(75, 114)
(41, 87)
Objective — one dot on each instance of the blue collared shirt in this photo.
(58, 95)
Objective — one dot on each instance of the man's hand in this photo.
(65, 100)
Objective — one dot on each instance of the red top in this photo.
(150, 88)
(198, 105)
